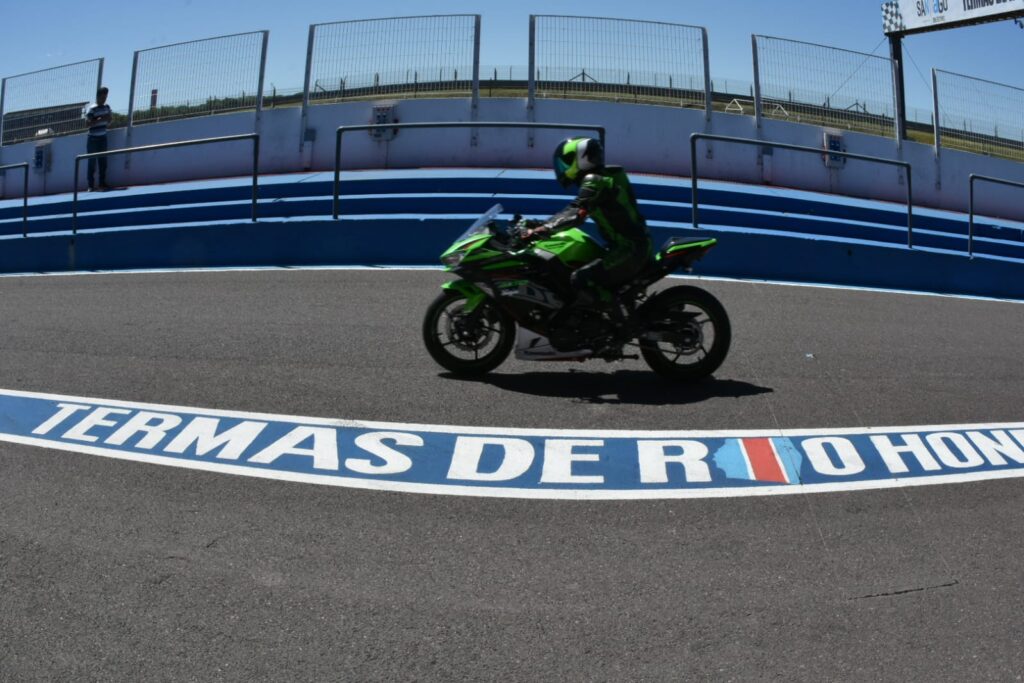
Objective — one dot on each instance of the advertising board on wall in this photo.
(917, 16)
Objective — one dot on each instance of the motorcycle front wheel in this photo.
(467, 343)
(687, 333)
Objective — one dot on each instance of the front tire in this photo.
(688, 333)
(467, 344)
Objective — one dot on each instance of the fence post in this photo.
(900, 114)
(970, 223)
(259, 84)
(131, 109)
(99, 80)
(910, 207)
(896, 53)
(935, 109)
(3, 95)
(475, 106)
(255, 174)
(24, 204)
(74, 199)
(531, 83)
(305, 88)
(99, 76)
(707, 76)
(757, 85)
(693, 178)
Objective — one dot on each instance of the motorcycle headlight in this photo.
(453, 260)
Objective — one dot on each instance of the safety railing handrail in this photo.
(970, 203)
(798, 148)
(444, 124)
(24, 194)
(170, 145)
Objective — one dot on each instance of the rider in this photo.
(605, 195)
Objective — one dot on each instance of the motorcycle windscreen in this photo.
(481, 225)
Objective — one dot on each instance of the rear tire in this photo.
(467, 344)
(699, 331)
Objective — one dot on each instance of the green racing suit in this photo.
(606, 195)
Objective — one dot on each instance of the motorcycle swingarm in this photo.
(662, 331)
(667, 336)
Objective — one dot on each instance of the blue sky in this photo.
(114, 30)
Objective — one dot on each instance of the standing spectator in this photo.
(98, 117)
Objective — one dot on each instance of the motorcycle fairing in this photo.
(531, 346)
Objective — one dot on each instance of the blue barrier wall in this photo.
(390, 241)
(408, 218)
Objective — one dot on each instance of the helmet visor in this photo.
(561, 172)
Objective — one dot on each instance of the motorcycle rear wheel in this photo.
(688, 333)
(467, 344)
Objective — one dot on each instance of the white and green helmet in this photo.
(576, 157)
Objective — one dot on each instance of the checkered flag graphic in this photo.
(892, 17)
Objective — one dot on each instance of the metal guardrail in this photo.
(24, 194)
(798, 148)
(443, 124)
(170, 145)
(970, 182)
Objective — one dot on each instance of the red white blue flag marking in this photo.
(761, 459)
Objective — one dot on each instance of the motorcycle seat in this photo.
(682, 242)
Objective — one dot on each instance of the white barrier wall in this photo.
(647, 139)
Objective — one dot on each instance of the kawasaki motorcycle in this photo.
(511, 292)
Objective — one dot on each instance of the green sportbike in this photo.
(511, 292)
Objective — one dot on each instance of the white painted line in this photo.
(522, 463)
(517, 493)
(523, 493)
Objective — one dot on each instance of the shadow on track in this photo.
(623, 387)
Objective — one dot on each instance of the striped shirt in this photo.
(97, 126)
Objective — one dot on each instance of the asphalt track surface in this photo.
(113, 570)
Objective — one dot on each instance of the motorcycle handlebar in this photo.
(518, 230)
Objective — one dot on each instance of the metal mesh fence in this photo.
(424, 56)
(639, 61)
(825, 86)
(980, 116)
(49, 102)
(197, 78)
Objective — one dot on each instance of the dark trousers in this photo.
(97, 143)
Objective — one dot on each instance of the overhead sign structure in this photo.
(903, 17)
